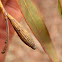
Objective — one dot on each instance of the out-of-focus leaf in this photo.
(37, 26)
(59, 7)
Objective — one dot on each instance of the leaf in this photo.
(59, 7)
(35, 22)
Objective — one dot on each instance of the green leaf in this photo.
(35, 22)
(59, 7)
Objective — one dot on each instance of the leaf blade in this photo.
(37, 26)
(59, 7)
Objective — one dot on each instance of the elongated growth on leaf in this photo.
(22, 32)
(35, 22)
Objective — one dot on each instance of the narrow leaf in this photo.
(35, 22)
(59, 7)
